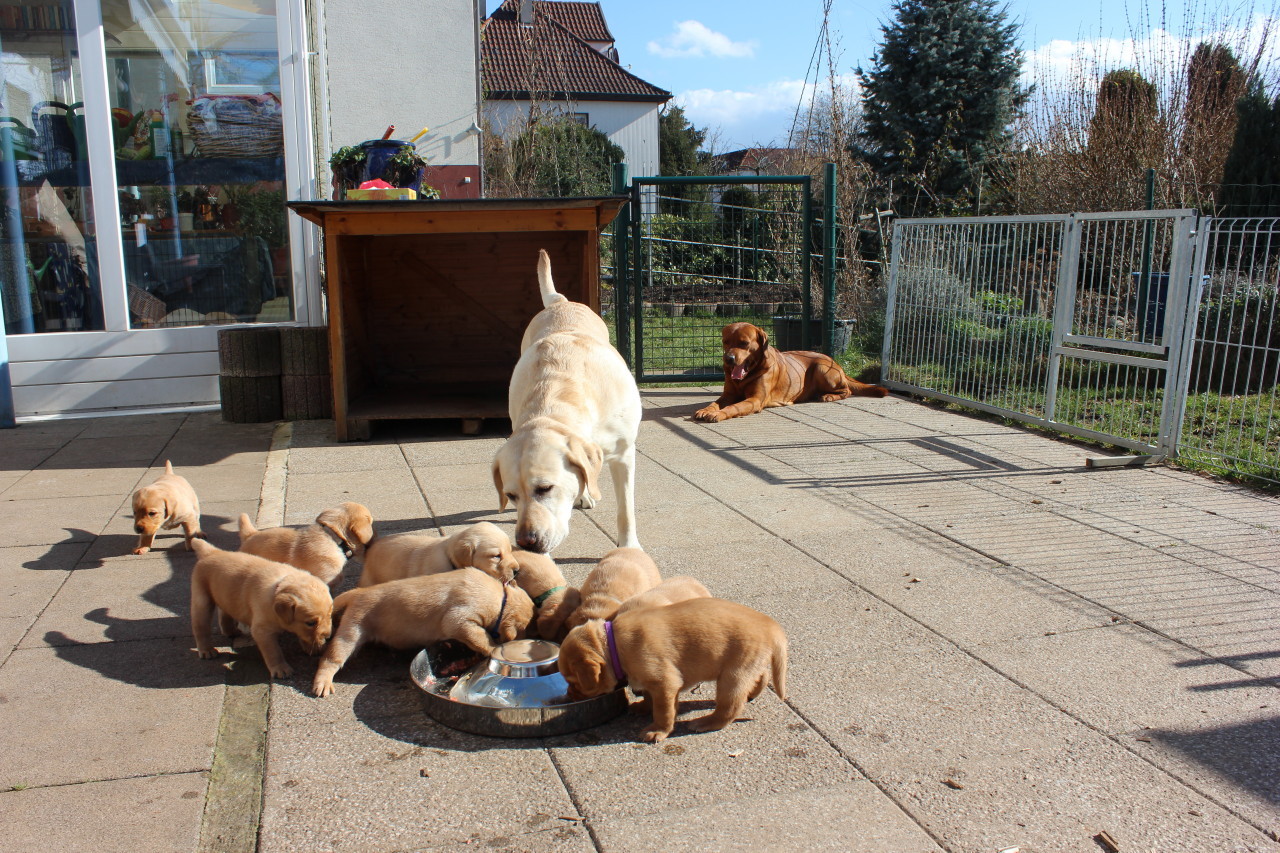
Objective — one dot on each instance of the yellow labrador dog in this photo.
(620, 575)
(467, 605)
(670, 591)
(481, 546)
(660, 651)
(167, 502)
(322, 548)
(270, 598)
(553, 599)
(574, 406)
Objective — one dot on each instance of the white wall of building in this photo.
(411, 63)
(631, 125)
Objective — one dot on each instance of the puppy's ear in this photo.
(166, 508)
(461, 548)
(286, 605)
(515, 622)
(588, 458)
(497, 484)
(552, 617)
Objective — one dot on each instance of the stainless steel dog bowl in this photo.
(518, 692)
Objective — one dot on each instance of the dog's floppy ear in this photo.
(286, 604)
(497, 484)
(461, 548)
(167, 514)
(762, 337)
(552, 618)
(588, 458)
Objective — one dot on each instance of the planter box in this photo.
(788, 334)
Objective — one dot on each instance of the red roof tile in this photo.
(584, 20)
(550, 60)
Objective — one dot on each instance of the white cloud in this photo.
(1160, 55)
(757, 116)
(693, 39)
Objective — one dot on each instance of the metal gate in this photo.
(1075, 322)
(697, 253)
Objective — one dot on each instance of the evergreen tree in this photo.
(679, 154)
(939, 99)
(1251, 176)
(558, 157)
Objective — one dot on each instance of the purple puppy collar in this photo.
(613, 652)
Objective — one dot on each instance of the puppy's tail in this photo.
(246, 527)
(342, 602)
(168, 467)
(780, 667)
(545, 285)
(203, 548)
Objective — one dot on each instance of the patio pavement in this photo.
(992, 647)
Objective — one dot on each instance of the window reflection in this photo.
(199, 161)
(48, 258)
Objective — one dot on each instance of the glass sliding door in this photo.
(194, 89)
(49, 274)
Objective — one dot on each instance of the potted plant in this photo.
(347, 165)
(186, 211)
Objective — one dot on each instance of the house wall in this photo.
(631, 125)
(409, 63)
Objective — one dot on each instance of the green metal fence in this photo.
(693, 254)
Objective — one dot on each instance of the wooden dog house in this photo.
(428, 300)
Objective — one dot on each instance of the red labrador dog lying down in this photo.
(758, 376)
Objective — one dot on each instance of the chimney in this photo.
(526, 12)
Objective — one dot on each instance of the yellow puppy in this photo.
(268, 597)
(322, 548)
(166, 503)
(481, 546)
(466, 605)
(660, 651)
(553, 599)
(620, 574)
(670, 591)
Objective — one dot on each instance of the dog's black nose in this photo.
(137, 528)
(530, 542)
(731, 358)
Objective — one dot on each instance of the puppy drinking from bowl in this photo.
(166, 503)
(553, 599)
(466, 605)
(270, 598)
(322, 548)
(620, 574)
(660, 651)
(481, 546)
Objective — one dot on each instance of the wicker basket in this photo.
(237, 125)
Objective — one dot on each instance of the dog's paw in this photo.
(281, 671)
(709, 415)
(322, 687)
(585, 501)
(654, 735)
(141, 550)
(706, 724)
(207, 654)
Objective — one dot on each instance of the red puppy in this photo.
(758, 376)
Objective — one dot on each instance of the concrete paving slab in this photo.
(738, 569)
(138, 451)
(1031, 776)
(389, 494)
(853, 818)
(47, 483)
(78, 713)
(153, 813)
(397, 784)
(562, 836)
(23, 459)
(30, 577)
(452, 450)
(129, 598)
(372, 685)
(50, 521)
(346, 458)
(216, 483)
(167, 424)
(769, 751)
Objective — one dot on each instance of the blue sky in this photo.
(739, 68)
